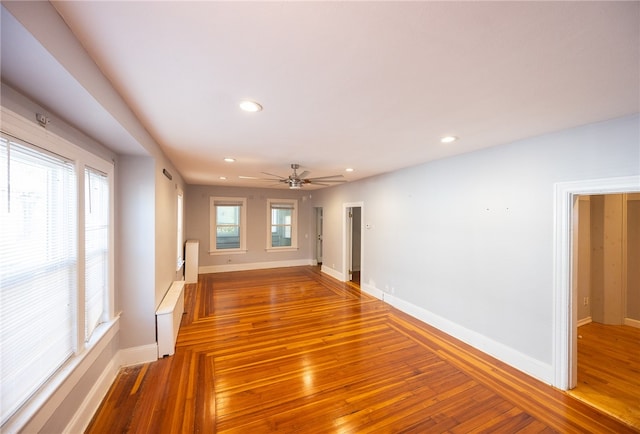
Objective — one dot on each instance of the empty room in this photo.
(337, 217)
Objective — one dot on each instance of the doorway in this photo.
(319, 235)
(565, 330)
(353, 243)
(606, 247)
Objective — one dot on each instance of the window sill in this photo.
(228, 252)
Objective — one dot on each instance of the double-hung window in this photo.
(227, 224)
(282, 225)
(96, 251)
(180, 231)
(55, 260)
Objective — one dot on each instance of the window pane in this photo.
(280, 236)
(96, 248)
(227, 227)
(281, 226)
(179, 232)
(37, 269)
(227, 215)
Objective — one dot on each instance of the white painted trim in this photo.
(81, 419)
(35, 414)
(87, 408)
(372, 290)
(137, 355)
(564, 306)
(333, 273)
(253, 266)
(632, 323)
(516, 359)
(346, 238)
(584, 321)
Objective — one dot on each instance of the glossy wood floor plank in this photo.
(293, 350)
(609, 369)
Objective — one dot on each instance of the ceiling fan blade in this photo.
(271, 174)
(272, 179)
(304, 174)
(321, 178)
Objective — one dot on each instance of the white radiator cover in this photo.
(168, 318)
(191, 261)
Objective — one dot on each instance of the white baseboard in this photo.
(333, 273)
(92, 401)
(252, 266)
(542, 371)
(137, 355)
(632, 322)
(584, 321)
(372, 290)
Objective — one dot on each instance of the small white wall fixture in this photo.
(565, 342)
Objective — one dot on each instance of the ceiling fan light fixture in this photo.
(250, 106)
(295, 184)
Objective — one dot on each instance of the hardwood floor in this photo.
(292, 350)
(609, 370)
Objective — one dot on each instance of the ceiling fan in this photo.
(296, 181)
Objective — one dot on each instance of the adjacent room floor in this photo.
(609, 370)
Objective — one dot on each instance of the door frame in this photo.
(319, 234)
(346, 239)
(565, 294)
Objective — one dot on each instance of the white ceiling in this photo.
(368, 85)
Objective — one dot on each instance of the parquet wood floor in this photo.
(292, 350)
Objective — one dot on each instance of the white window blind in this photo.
(96, 237)
(38, 268)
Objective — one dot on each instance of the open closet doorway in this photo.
(353, 243)
(606, 286)
(319, 235)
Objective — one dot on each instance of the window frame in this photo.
(215, 201)
(294, 225)
(20, 129)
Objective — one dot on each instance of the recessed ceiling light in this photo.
(349, 169)
(223, 178)
(229, 160)
(448, 139)
(250, 106)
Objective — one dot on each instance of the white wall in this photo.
(468, 241)
(197, 223)
(135, 254)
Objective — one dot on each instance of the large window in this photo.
(282, 225)
(180, 231)
(96, 251)
(228, 222)
(55, 261)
